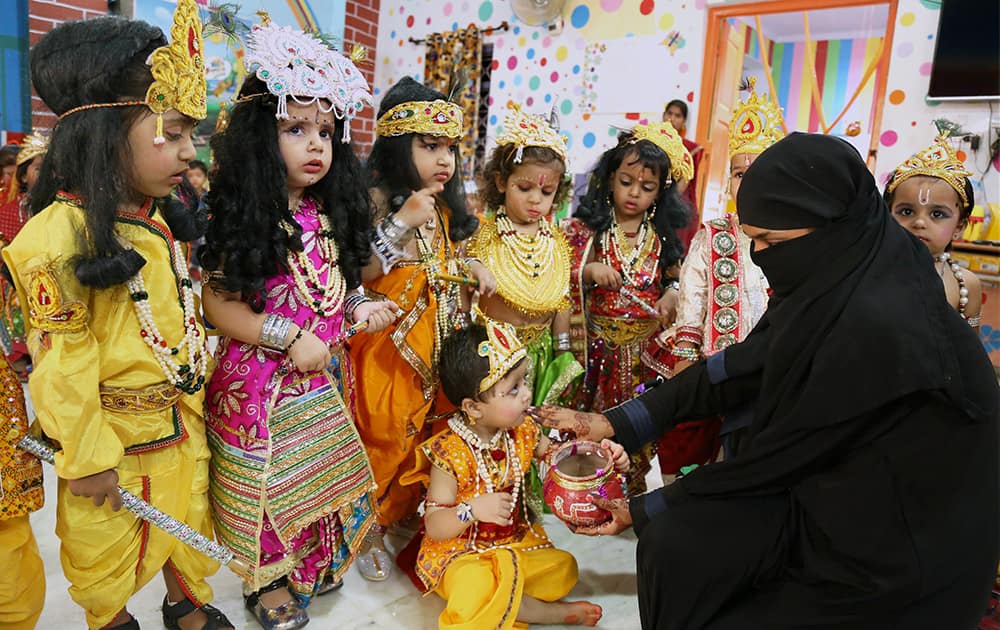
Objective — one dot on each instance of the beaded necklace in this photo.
(481, 450)
(614, 241)
(447, 293)
(956, 270)
(322, 297)
(187, 377)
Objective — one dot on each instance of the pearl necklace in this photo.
(322, 297)
(187, 377)
(479, 448)
(632, 264)
(956, 270)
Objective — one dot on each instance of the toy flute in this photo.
(181, 531)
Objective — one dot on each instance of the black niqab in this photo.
(858, 318)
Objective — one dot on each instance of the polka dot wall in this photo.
(907, 118)
(545, 71)
(565, 70)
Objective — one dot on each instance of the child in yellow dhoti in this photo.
(112, 327)
(22, 581)
(480, 553)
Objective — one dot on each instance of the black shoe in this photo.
(329, 585)
(288, 616)
(131, 624)
(172, 614)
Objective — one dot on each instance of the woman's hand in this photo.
(419, 208)
(602, 275)
(378, 314)
(589, 426)
(666, 306)
(487, 281)
(618, 455)
(100, 486)
(309, 353)
(621, 518)
(495, 507)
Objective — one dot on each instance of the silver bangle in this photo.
(562, 341)
(395, 230)
(672, 284)
(351, 304)
(386, 251)
(274, 331)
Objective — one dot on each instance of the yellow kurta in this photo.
(98, 390)
(484, 580)
(22, 580)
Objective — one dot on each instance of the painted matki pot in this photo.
(577, 470)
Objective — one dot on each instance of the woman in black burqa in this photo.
(867, 497)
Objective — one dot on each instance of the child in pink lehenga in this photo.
(291, 487)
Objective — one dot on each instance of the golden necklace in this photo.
(532, 272)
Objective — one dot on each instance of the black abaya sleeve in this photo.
(707, 388)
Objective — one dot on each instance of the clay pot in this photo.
(579, 469)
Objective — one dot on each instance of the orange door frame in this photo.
(713, 49)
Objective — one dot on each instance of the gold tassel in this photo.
(159, 139)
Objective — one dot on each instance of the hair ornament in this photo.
(302, 67)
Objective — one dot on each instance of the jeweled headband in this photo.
(430, 118)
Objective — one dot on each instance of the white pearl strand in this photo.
(333, 290)
(619, 242)
(478, 447)
(188, 380)
(956, 270)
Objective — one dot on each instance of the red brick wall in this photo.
(43, 16)
(361, 27)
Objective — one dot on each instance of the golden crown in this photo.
(502, 347)
(938, 160)
(178, 71)
(664, 136)
(525, 130)
(34, 144)
(755, 125)
(431, 118)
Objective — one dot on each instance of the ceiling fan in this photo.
(538, 12)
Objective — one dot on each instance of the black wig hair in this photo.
(672, 213)
(964, 212)
(460, 366)
(248, 202)
(679, 104)
(502, 163)
(390, 164)
(99, 60)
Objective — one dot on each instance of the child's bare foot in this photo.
(567, 613)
